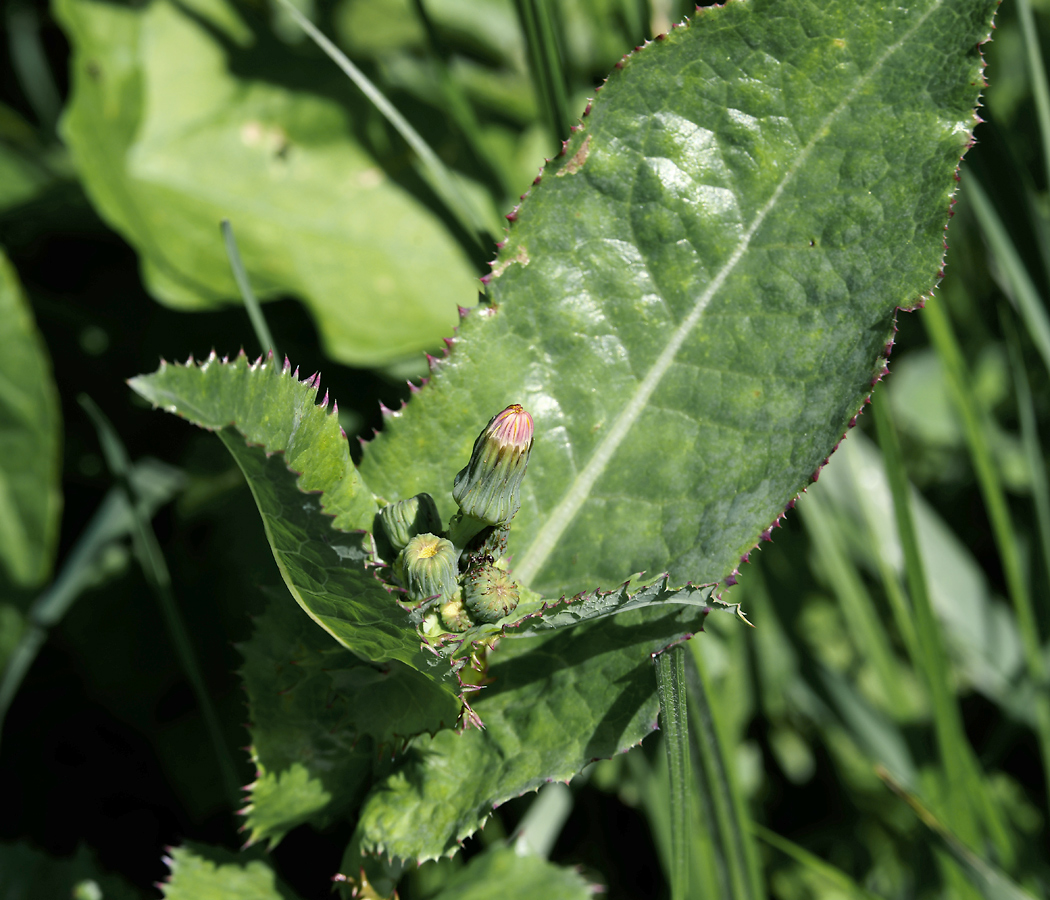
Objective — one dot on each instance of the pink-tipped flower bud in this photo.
(489, 593)
(428, 567)
(489, 487)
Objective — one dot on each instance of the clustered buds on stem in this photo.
(460, 571)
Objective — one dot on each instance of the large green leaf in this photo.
(169, 140)
(30, 442)
(211, 873)
(694, 301)
(320, 718)
(552, 704)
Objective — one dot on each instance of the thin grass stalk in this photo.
(858, 608)
(992, 883)
(674, 723)
(441, 179)
(545, 64)
(155, 568)
(1020, 287)
(943, 338)
(967, 801)
(715, 752)
(1029, 435)
(832, 875)
(29, 61)
(457, 104)
(251, 303)
(1037, 78)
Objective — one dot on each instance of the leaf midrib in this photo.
(535, 557)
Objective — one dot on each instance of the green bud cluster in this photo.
(459, 574)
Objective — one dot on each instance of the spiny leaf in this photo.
(327, 567)
(552, 703)
(30, 442)
(199, 872)
(695, 299)
(169, 141)
(319, 720)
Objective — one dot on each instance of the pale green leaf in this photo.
(30, 441)
(169, 141)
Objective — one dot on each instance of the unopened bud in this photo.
(427, 568)
(489, 593)
(454, 615)
(404, 519)
(488, 488)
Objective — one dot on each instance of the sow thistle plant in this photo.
(693, 301)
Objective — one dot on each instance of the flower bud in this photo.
(404, 519)
(489, 593)
(488, 488)
(454, 615)
(428, 567)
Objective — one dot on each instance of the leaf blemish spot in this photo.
(578, 159)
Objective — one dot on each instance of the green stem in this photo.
(965, 786)
(674, 723)
(1029, 435)
(155, 568)
(545, 63)
(1037, 78)
(943, 338)
(441, 179)
(255, 313)
(714, 752)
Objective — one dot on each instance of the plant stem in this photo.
(255, 313)
(155, 568)
(1037, 79)
(545, 62)
(674, 723)
(441, 179)
(965, 786)
(943, 338)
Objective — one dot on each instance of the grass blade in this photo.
(441, 179)
(251, 303)
(1020, 287)
(113, 521)
(943, 338)
(714, 752)
(155, 568)
(990, 881)
(858, 608)
(29, 61)
(1029, 435)
(674, 723)
(833, 876)
(545, 62)
(539, 828)
(968, 802)
(1037, 78)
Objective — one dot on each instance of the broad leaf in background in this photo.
(694, 301)
(168, 142)
(515, 878)
(551, 705)
(211, 873)
(319, 720)
(30, 442)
